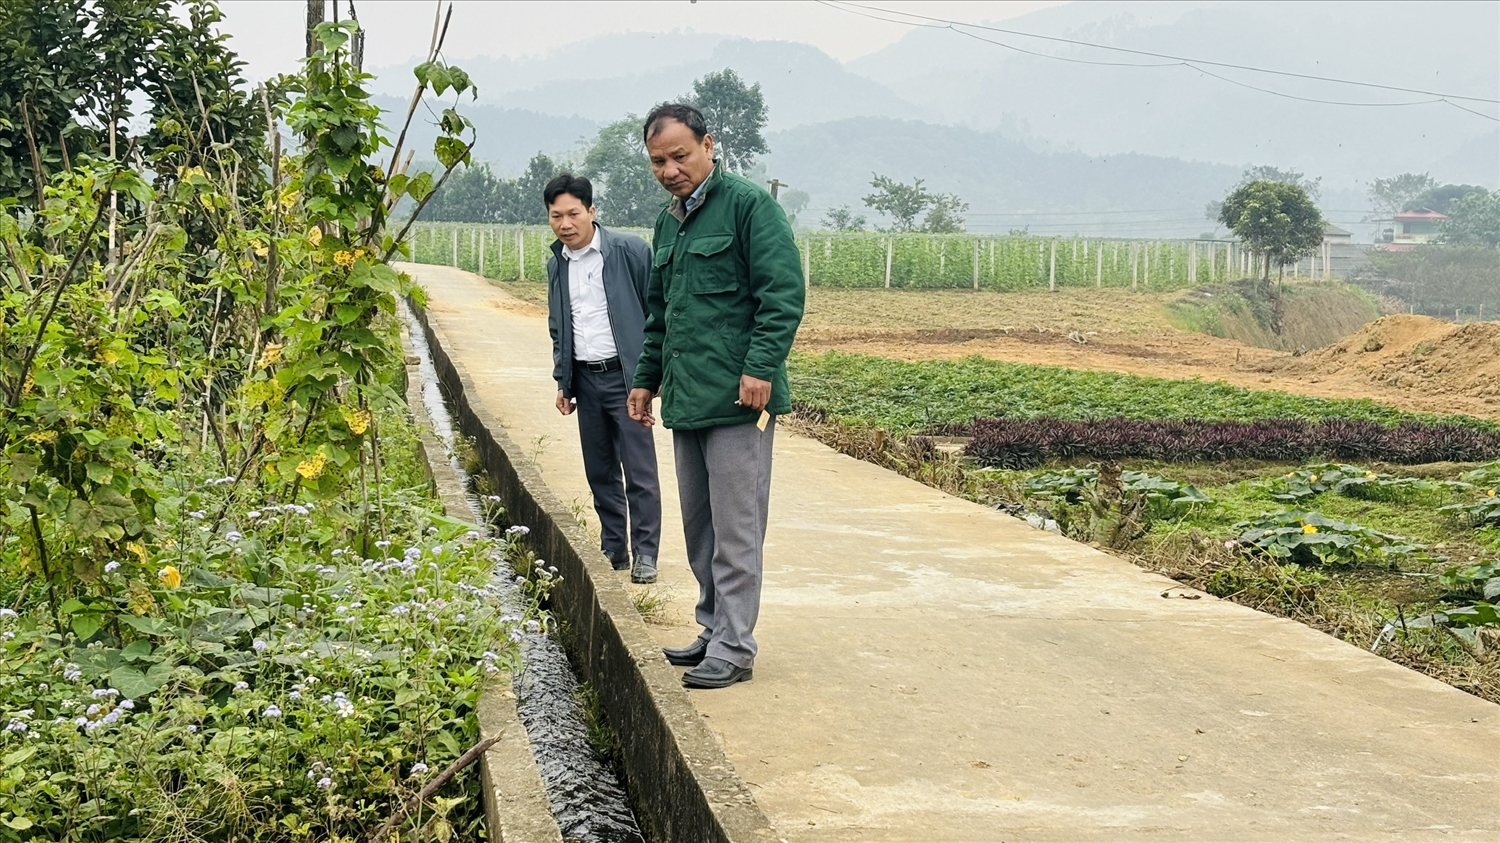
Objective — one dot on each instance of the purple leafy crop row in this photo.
(1023, 443)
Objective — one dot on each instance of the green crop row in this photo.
(919, 261)
(903, 397)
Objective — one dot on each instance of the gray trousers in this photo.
(611, 442)
(724, 482)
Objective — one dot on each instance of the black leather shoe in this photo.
(619, 561)
(715, 673)
(689, 656)
(644, 570)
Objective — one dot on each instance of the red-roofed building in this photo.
(1419, 226)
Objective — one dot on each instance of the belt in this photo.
(610, 365)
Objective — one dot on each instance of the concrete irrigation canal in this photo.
(933, 670)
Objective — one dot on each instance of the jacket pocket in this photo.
(712, 266)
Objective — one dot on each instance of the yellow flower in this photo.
(269, 356)
(1313, 479)
(1369, 474)
(170, 577)
(289, 198)
(315, 235)
(43, 437)
(1309, 528)
(344, 258)
(109, 356)
(311, 467)
(357, 419)
(260, 249)
(1489, 493)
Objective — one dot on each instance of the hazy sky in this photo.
(268, 33)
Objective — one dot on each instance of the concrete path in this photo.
(932, 670)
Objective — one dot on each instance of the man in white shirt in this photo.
(596, 310)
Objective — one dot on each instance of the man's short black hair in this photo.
(576, 186)
(683, 113)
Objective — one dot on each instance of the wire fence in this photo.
(906, 261)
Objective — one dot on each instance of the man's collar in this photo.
(696, 197)
(596, 244)
(678, 206)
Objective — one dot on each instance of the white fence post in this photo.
(889, 245)
(1052, 268)
(807, 263)
(455, 248)
(976, 264)
(521, 253)
(481, 253)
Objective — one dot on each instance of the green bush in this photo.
(266, 676)
(1310, 538)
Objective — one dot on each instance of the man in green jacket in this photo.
(722, 307)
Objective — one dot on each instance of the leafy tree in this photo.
(1276, 220)
(945, 215)
(476, 194)
(1398, 192)
(1442, 197)
(72, 71)
(1474, 220)
(793, 201)
(1265, 172)
(624, 188)
(736, 115)
(1436, 281)
(902, 202)
(843, 219)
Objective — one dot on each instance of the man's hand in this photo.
(638, 405)
(754, 392)
(564, 405)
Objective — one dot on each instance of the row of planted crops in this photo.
(921, 261)
(1374, 524)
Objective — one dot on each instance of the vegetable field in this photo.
(908, 261)
(905, 398)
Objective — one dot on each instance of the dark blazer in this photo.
(627, 270)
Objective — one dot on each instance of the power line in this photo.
(873, 12)
(943, 23)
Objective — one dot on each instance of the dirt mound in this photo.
(1415, 353)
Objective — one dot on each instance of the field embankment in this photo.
(1416, 354)
(1288, 317)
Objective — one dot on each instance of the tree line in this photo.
(625, 191)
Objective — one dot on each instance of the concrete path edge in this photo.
(680, 782)
(516, 809)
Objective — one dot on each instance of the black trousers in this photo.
(614, 444)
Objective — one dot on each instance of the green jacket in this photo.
(724, 299)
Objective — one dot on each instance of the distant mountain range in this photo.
(1010, 131)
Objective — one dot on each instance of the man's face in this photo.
(571, 221)
(678, 160)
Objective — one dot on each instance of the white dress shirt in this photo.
(593, 338)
